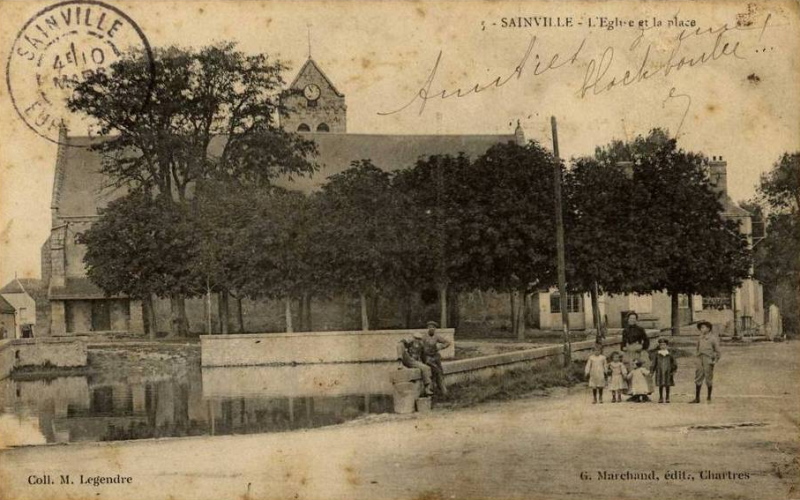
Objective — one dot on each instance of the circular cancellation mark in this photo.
(58, 48)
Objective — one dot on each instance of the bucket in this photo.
(423, 405)
(405, 393)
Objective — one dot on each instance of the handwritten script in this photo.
(690, 49)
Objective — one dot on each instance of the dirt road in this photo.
(536, 448)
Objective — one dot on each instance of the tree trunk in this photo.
(364, 315)
(513, 297)
(596, 313)
(308, 324)
(149, 313)
(676, 313)
(455, 312)
(178, 322)
(208, 308)
(519, 321)
(407, 301)
(301, 317)
(222, 307)
(288, 315)
(374, 313)
(443, 306)
(239, 315)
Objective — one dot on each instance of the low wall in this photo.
(486, 366)
(53, 351)
(308, 347)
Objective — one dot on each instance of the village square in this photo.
(247, 290)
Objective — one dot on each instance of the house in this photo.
(8, 324)
(77, 306)
(29, 299)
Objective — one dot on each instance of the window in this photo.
(311, 104)
(303, 128)
(323, 127)
(717, 303)
(573, 303)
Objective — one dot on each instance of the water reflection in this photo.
(212, 401)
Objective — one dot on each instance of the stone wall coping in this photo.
(320, 334)
(470, 364)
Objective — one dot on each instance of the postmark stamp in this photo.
(58, 48)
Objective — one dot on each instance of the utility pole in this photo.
(562, 273)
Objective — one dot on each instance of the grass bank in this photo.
(514, 384)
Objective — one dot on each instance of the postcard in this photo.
(399, 249)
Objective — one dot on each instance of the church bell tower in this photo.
(314, 104)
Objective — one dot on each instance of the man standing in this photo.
(708, 354)
(410, 352)
(432, 344)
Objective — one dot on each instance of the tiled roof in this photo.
(76, 288)
(23, 285)
(82, 189)
(5, 307)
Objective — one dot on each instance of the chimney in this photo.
(627, 168)
(519, 135)
(718, 174)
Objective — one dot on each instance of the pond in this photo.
(209, 401)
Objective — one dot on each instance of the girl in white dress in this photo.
(619, 374)
(596, 368)
(639, 386)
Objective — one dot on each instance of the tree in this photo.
(777, 257)
(202, 114)
(692, 249)
(606, 250)
(359, 232)
(429, 197)
(142, 246)
(506, 240)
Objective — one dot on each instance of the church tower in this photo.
(314, 104)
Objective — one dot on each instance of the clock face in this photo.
(311, 92)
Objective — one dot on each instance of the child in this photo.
(664, 367)
(638, 379)
(596, 368)
(618, 375)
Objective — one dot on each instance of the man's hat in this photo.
(417, 335)
(433, 324)
(706, 323)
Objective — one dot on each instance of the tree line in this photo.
(200, 151)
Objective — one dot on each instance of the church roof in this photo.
(81, 189)
(76, 289)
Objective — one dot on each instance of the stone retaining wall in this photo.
(308, 347)
(52, 351)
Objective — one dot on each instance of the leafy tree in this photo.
(142, 246)
(429, 198)
(202, 114)
(692, 249)
(777, 257)
(606, 250)
(506, 225)
(359, 232)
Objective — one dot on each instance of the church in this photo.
(78, 307)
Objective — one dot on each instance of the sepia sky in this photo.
(739, 101)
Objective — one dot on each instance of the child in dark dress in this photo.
(663, 367)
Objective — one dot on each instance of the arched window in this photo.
(303, 128)
(323, 127)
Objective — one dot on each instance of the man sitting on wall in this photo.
(433, 343)
(410, 352)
